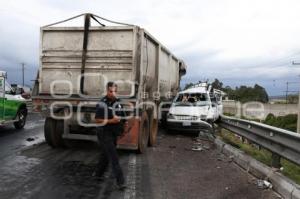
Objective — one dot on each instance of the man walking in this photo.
(113, 126)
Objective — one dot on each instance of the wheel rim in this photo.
(21, 119)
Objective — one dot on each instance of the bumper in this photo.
(188, 125)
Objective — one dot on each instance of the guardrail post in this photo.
(275, 161)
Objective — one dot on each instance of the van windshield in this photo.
(191, 99)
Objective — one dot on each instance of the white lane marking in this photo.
(130, 192)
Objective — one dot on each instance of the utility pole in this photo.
(23, 68)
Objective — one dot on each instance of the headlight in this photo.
(170, 116)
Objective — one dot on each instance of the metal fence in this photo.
(280, 142)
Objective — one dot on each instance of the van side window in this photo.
(7, 88)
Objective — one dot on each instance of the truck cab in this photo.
(195, 109)
(12, 105)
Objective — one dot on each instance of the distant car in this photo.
(195, 109)
(12, 105)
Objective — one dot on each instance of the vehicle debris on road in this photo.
(30, 139)
(264, 184)
(202, 142)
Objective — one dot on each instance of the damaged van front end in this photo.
(195, 109)
(189, 118)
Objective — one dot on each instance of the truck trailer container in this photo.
(77, 62)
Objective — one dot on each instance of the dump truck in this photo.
(77, 62)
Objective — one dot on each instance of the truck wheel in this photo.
(164, 120)
(153, 130)
(57, 138)
(21, 116)
(144, 133)
(53, 131)
(49, 128)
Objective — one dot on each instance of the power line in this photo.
(285, 59)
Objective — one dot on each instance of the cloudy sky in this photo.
(240, 42)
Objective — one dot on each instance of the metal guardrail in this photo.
(280, 142)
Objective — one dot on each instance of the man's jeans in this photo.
(108, 140)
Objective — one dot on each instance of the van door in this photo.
(220, 105)
(214, 105)
(2, 96)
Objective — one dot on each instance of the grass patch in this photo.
(290, 169)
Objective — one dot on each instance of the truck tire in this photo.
(163, 120)
(53, 131)
(21, 116)
(153, 122)
(57, 138)
(144, 133)
(49, 128)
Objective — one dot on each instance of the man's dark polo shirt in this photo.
(101, 113)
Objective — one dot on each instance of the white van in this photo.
(195, 109)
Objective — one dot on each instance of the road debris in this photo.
(264, 184)
(281, 168)
(30, 139)
(230, 159)
(197, 148)
(201, 142)
(221, 157)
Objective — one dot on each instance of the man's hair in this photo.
(111, 84)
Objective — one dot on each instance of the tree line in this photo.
(241, 93)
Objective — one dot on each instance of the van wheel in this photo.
(21, 116)
(144, 133)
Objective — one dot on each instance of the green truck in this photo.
(12, 105)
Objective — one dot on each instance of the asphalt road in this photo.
(31, 169)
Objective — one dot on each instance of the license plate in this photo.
(186, 123)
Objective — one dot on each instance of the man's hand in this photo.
(126, 125)
(115, 120)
